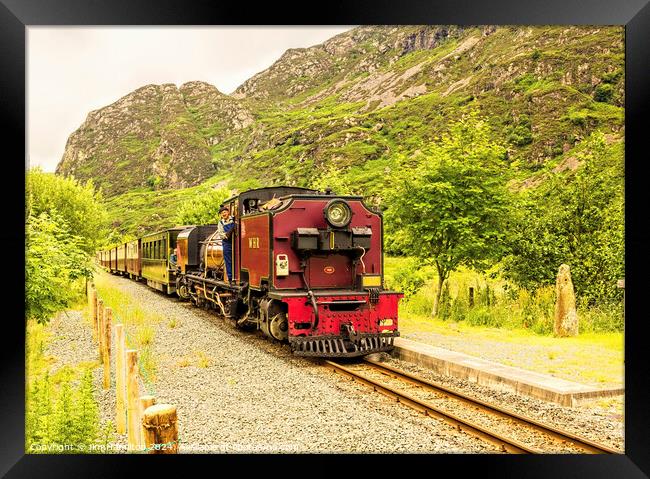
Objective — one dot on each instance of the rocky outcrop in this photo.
(343, 57)
(159, 136)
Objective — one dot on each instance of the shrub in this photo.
(603, 93)
(61, 415)
(409, 278)
(604, 317)
(482, 316)
(154, 182)
(521, 136)
(54, 261)
(612, 77)
(202, 209)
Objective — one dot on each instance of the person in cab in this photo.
(225, 230)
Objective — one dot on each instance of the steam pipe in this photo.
(310, 293)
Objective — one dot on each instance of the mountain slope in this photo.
(346, 110)
(157, 136)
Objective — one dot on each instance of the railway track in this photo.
(511, 432)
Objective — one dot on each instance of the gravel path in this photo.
(237, 392)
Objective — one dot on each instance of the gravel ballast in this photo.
(237, 392)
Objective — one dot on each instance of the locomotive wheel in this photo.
(278, 327)
(182, 290)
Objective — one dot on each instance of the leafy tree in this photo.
(203, 209)
(54, 260)
(80, 206)
(581, 224)
(452, 209)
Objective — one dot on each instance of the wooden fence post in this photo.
(133, 402)
(120, 380)
(108, 320)
(471, 296)
(100, 329)
(145, 402)
(160, 425)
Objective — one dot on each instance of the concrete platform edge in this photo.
(426, 356)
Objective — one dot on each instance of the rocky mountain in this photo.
(358, 101)
(158, 136)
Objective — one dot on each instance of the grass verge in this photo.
(138, 323)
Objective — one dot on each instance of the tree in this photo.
(80, 206)
(202, 209)
(452, 209)
(65, 222)
(54, 260)
(578, 219)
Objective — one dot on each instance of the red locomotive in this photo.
(307, 268)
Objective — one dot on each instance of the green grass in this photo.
(138, 323)
(589, 358)
(515, 329)
(144, 211)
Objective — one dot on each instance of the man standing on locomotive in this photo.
(225, 230)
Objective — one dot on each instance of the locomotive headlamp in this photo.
(338, 213)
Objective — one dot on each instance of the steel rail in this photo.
(506, 444)
(560, 434)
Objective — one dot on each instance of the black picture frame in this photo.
(16, 15)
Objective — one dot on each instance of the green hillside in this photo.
(349, 112)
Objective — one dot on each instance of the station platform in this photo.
(495, 375)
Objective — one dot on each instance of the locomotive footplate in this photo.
(336, 346)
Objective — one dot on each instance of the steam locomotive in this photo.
(307, 269)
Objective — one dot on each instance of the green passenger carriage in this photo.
(156, 250)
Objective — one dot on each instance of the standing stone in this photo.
(566, 318)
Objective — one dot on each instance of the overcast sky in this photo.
(71, 71)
